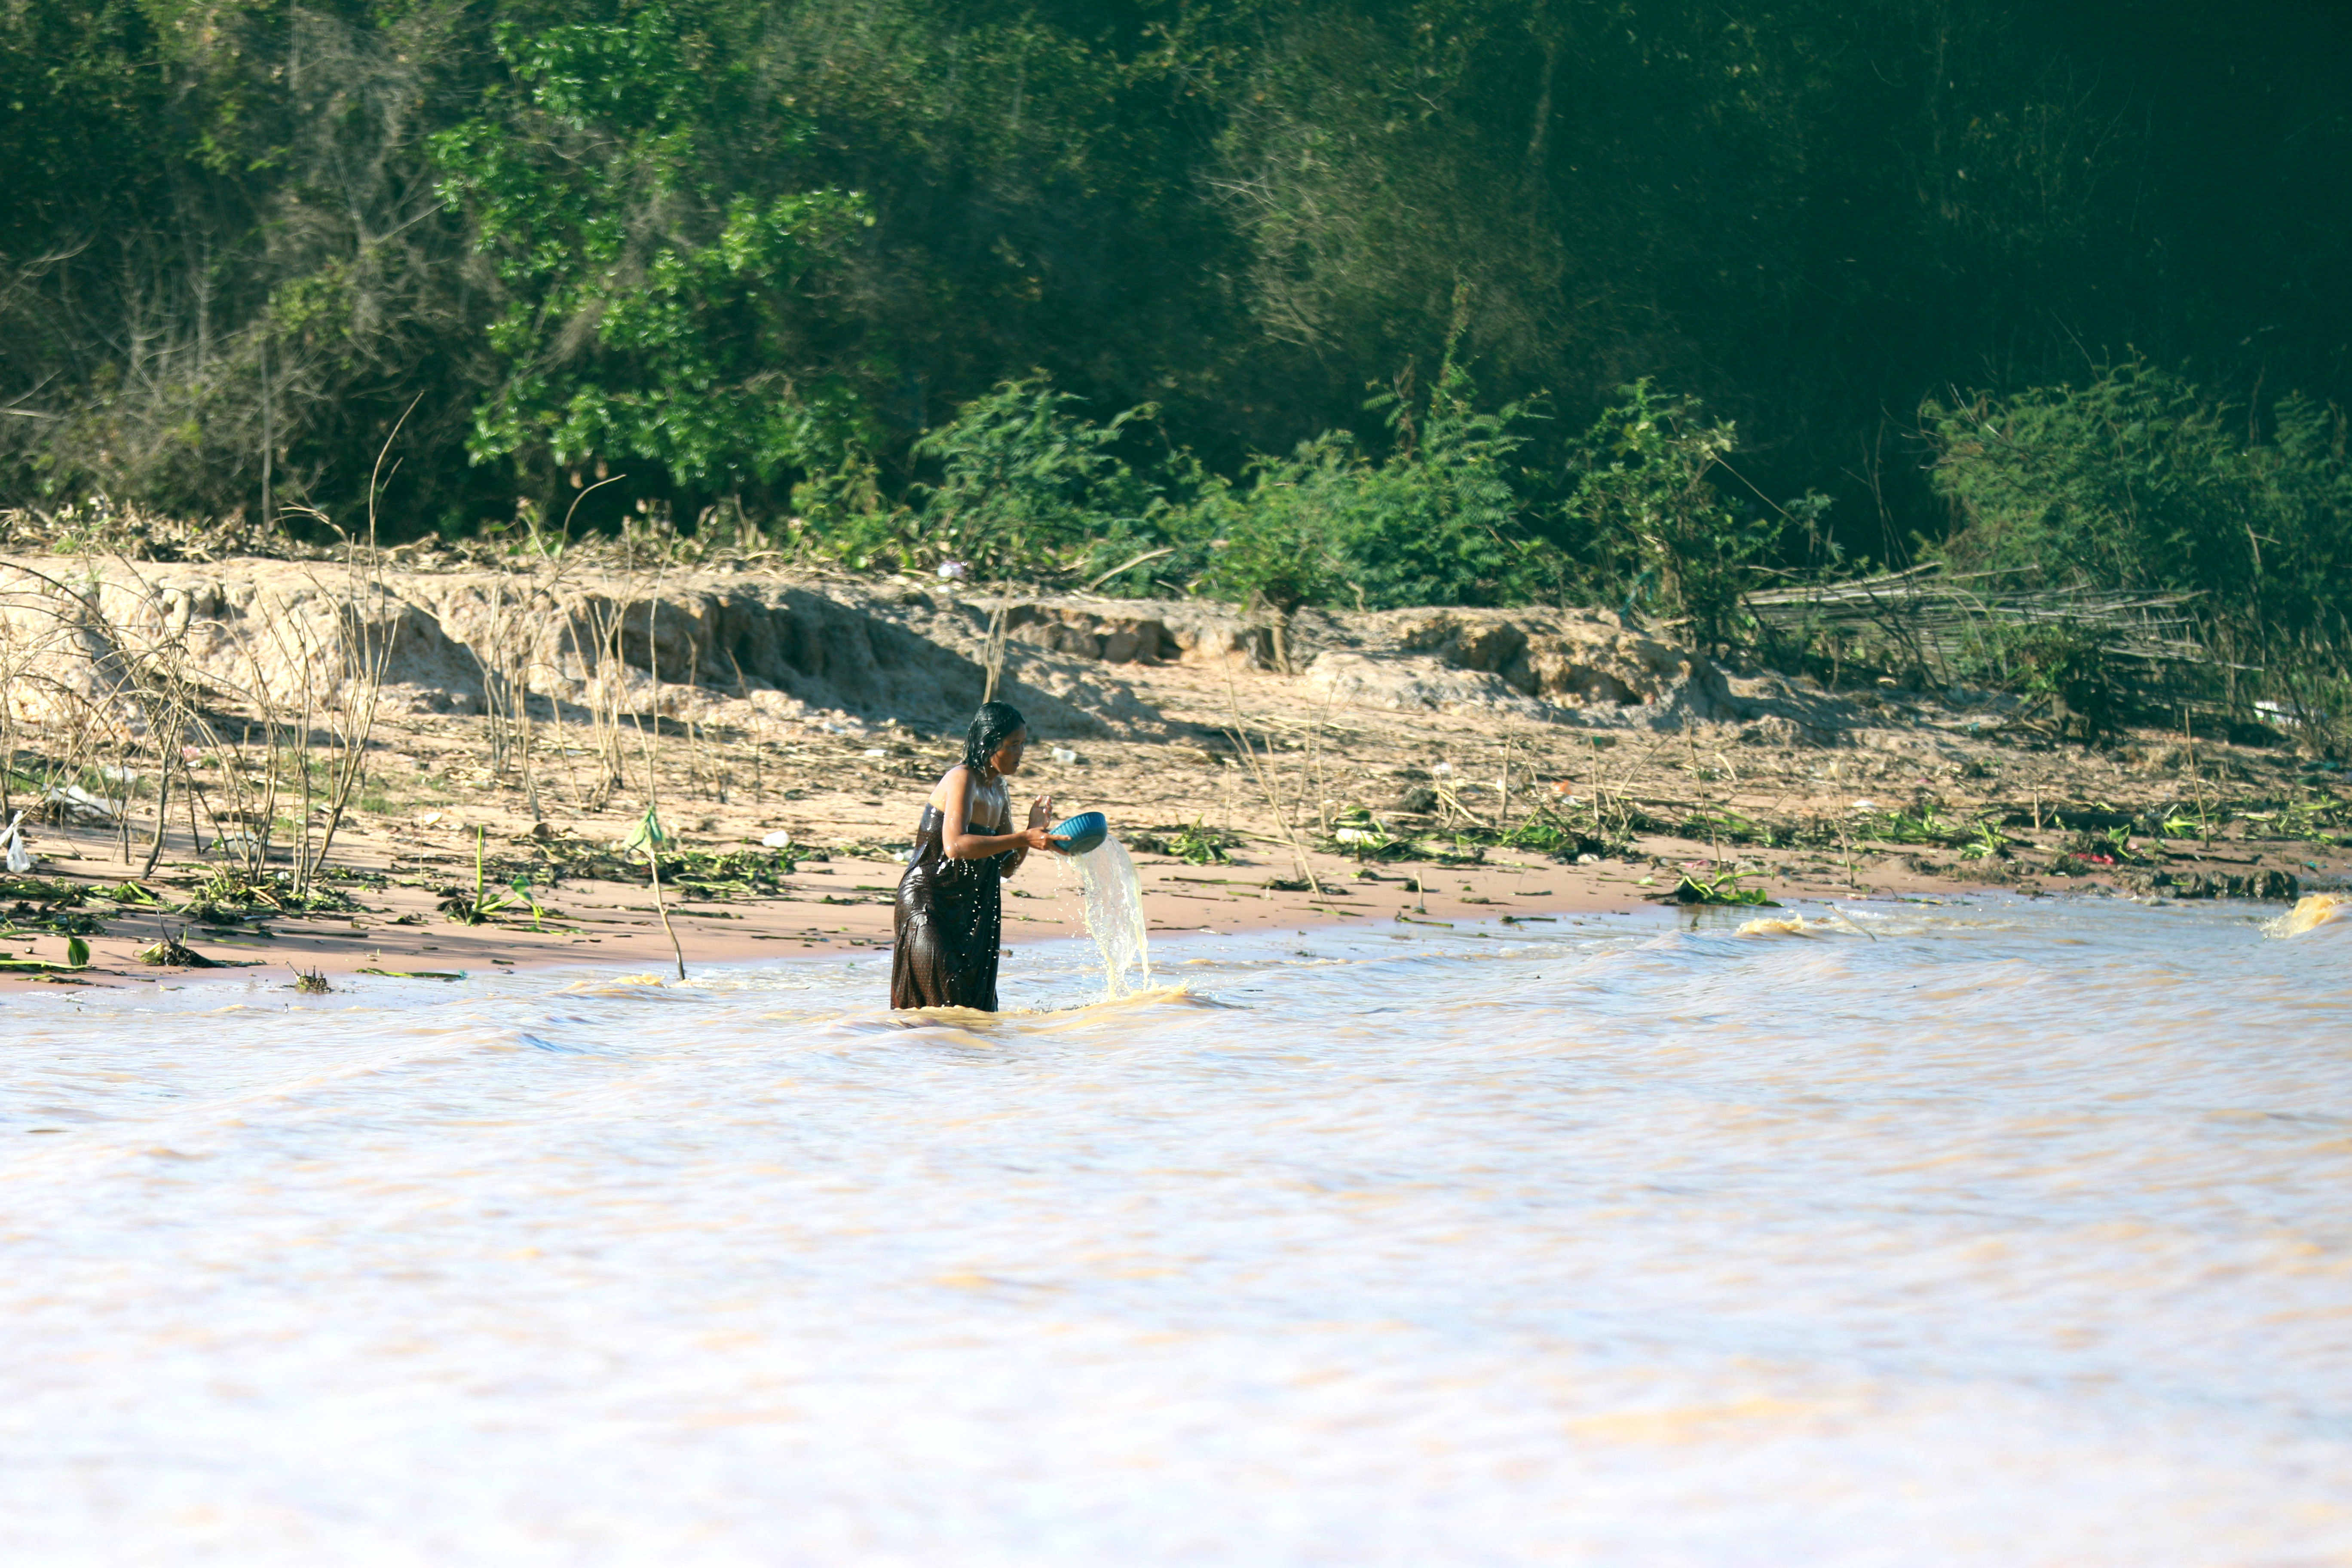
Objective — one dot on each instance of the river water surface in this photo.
(1985, 1232)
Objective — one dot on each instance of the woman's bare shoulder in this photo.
(951, 784)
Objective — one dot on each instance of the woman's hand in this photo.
(1041, 814)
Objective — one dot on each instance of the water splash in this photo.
(2310, 912)
(1789, 925)
(1112, 902)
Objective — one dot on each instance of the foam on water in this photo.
(2012, 1238)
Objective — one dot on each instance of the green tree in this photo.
(658, 275)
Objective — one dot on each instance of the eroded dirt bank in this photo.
(1433, 765)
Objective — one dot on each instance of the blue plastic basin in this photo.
(1082, 832)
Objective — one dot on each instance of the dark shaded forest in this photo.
(1348, 302)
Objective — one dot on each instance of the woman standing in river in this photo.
(951, 905)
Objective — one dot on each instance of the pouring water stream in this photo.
(1111, 902)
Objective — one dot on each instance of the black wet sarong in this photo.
(949, 919)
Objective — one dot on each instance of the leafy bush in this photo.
(1645, 511)
(2140, 480)
(1028, 486)
(1442, 521)
(2066, 668)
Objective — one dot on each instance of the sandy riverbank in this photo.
(1618, 762)
(842, 906)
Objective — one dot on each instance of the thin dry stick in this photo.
(993, 654)
(1503, 783)
(1314, 764)
(743, 690)
(541, 644)
(698, 773)
(255, 846)
(195, 797)
(652, 870)
(170, 758)
(302, 761)
(365, 659)
(653, 819)
(1269, 788)
(2197, 778)
(122, 783)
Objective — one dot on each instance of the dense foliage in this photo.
(2139, 479)
(1336, 301)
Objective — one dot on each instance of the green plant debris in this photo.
(229, 896)
(41, 889)
(1365, 836)
(1722, 888)
(1191, 843)
(484, 902)
(417, 974)
(744, 872)
(57, 923)
(1989, 843)
(171, 953)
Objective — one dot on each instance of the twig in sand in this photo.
(1268, 786)
(652, 820)
(992, 652)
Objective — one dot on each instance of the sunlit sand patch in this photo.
(2310, 912)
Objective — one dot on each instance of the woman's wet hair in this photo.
(994, 724)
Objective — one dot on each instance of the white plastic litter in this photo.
(782, 838)
(1063, 754)
(20, 860)
(81, 805)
